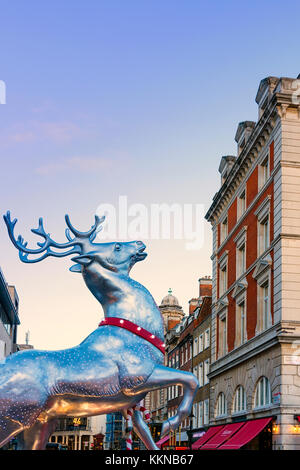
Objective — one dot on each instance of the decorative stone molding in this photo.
(223, 259)
(240, 287)
(241, 236)
(263, 209)
(262, 265)
(221, 305)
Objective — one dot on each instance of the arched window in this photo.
(239, 402)
(221, 405)
(262, 393)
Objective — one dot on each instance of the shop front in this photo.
(253, 434)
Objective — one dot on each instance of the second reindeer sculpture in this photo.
(112, 369)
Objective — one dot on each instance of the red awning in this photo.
(248, 432)
(162, 441)
(209, 433)
(222, 436)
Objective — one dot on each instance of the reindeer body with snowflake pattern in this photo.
(112, 369)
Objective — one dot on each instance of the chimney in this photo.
(225, 166)
(193, 303)
(243, 133)
(205, 286)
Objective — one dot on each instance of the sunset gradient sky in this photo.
(137, 98)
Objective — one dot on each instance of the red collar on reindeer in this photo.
(137, 330)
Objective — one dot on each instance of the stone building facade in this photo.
(255, 219)
(9, 319)
(188, 349)
(156, 401)
(201, 361)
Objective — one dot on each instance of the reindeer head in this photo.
(118, 257)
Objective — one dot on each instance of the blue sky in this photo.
(137, 98)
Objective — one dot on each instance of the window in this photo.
(222, 261)
(200, 414)
(224, 230)
(240, 241)
(239, 402)
(241, 204)
(264, 171)
(241, 260)
(263, 235)
(5, 320)
(200, 343)
(200, 374)
(221, 405)
(222, 335)
(264, 313)
(181, 356)
(262, 393)
(241, 331)
(206, 411)
(207, 338)
(223, 280)
(195, 417)
(263, 228)
(206, 371)
(195, 347)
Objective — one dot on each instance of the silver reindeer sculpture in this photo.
(112, 369)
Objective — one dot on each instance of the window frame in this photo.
(264, 170)
(241, 321)
(223, 229)
(206, 367)
(263, 213)
(206, 341)
(241, 203)
(263, 388)
(221, 406)
(239, 396)
(223, 318)
(223, 278)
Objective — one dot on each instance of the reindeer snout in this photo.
(141, 246)
(140, 254)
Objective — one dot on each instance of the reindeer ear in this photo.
(84, 260)
(76, 268)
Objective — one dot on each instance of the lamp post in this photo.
(190, 431)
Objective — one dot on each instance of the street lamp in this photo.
(190, 431)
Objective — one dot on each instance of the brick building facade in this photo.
(256, 270)
(188, 349)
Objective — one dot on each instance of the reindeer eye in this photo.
(117, 246)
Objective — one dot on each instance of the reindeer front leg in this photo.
(143, 430)
(162, 377)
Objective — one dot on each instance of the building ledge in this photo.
(252, 347)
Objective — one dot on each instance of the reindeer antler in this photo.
(76, 243)
(91, 234)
